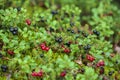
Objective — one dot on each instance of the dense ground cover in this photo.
(59, 40)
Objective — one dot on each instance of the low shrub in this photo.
(53, 40)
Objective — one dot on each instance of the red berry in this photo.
(62, 46)
(90, 58)
(47, 48)
(44, 42)
(40, 74)
(66, 50)
(100, 63)
(43, 47)
(63, 74)
(97, 65)
(34, 74)
(10, 52)
(28, 22)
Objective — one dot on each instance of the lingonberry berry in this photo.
(34, 74)
(63, 74)
(66, 50)
(37, 74)
(28, 21)
(62, 46)
(90, 58)
(10, 52)
(43, 47)
(100, 63)
(47, 48)
(40, 73)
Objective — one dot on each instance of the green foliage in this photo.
(89, 74)
(66, 28)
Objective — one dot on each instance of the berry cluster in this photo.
(37, 74)
(90, 58)
(28, 22)
(14, 30)
(100, 63)
(44, 47)
(66, 50)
